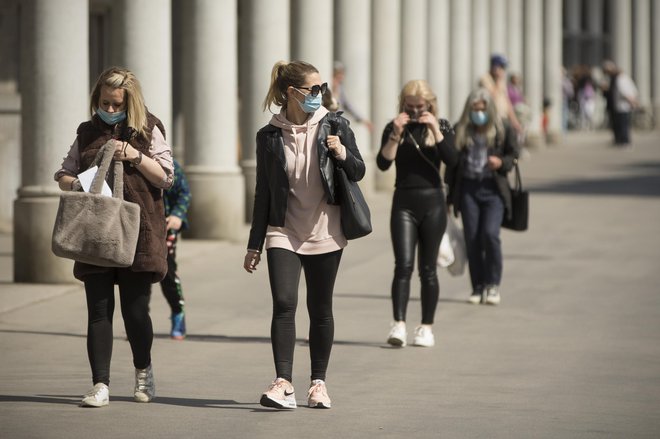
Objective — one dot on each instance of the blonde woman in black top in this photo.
(417, 142)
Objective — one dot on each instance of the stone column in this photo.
(533, 75)
(514, 35)
(54, 52)
(621, 25)
(655, 29)
(414, 39)
(385, 78)
(481, 19)
(145, 48)
(572, 43)
(498, 25)
(353, 48)
(642, 55)
(211, 119)
(461, 41)
(594, 46)
(552, 63)
(439, 38)
(317, 50)
(263, 40)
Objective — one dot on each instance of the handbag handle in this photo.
(103, 159)
(518, 183)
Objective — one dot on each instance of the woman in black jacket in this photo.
(479, 190)
(297, 220)
(417, 141)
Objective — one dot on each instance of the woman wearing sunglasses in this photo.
(296, 220)
(417, 142)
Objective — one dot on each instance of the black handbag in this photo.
(355, 214)
(519, 206)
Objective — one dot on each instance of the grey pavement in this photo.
(573, 351)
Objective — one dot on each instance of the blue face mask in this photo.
(311, 103)
(111, 118)
(479, 118)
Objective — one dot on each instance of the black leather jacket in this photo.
(272, 187)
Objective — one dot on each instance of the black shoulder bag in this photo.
(355, 214)
(519, 205)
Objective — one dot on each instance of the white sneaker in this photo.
(492, 295)
(98, 396)
(475, 298)
(398, 334)
(423, 337)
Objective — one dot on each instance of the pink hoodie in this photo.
(311, 226)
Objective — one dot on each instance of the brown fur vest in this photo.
(151, 252)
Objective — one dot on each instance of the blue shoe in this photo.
(178, 326)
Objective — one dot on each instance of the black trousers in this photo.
(134, 291)
(171, 284)
(418, 220)
(621, 127)
(284, 268)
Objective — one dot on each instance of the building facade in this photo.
(205, 69)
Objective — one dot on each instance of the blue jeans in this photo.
(482, 210)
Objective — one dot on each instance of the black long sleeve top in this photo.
(412, 170)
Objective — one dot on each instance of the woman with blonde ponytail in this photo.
(297, 221)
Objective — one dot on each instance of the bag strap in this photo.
(103, 160)
(419, 150)
(518, 182)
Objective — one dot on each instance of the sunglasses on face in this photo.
(315, 89)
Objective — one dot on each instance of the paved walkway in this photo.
(573, 351)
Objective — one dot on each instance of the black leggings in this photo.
(418, 217)
(134, 291)
(284, 269)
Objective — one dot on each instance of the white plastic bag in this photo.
(446, 254)
(454, 235)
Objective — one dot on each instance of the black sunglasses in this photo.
(315, 89)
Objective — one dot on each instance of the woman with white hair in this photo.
(480, 192)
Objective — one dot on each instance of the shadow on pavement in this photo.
(636, 185)
(181, 402)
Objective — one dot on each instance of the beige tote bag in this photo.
(94, 228)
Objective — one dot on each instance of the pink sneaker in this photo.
(317, 396)
(279, 395)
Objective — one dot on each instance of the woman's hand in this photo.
(124, 151)
(252, 259)
(334, 145)
(494, 162)
(399, 123)
(432, 123)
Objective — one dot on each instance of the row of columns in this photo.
(445, 41)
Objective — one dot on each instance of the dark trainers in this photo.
(178, 326)
(279, 395)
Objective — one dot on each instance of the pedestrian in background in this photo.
(296, 219)
(479, 190)
(495, 82)
(119, 115)
(417, 142)
(622, 99)
(343, 103)
(177, 200)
